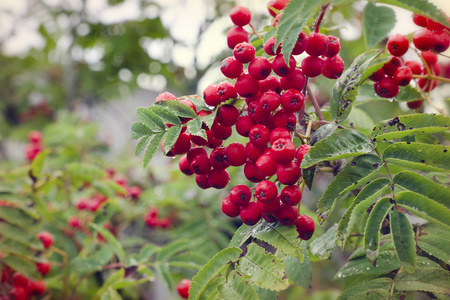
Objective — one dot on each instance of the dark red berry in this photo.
(250, 214)
(218, 179)
(269, 47)
(201, 164)
(301, 152)
(283, 119)
(305, 227)
(388, 87)
(333, 46)
(253, 152)
(229, 208)
(227, 115)
(235, 154)
(378, 75)
(18, 293)
(226, 91)
(202, 181)
(392, 65)
(424, 39)
(270, 207)
(218, 158)
(414, 104)
(295, 80)
(240, 195)
(317, 44)
(291, 195)
(244, 124)
(280, 67)
(221, 132)
(398, 44)
(287, 214)
(442, 41)
(257, 113)
(300, 44)
(252, 172)
(184, 166)
(271, 83)
(36, 288)
(333, 67)
(260, 68)
(266, 165)
(266, 191)
(403, 76)
(240, 15)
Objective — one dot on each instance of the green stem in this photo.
(387, 171)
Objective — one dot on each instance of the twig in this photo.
(320, 18)
(315, 104)
(255, 33)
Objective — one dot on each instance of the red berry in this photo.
(266, 191)
(35, 137)
(333, 67)
(184, 166)
(231, 68)
(36, 288)
(282, 151)
(419, 20)
(292, 100)
(300, 44)
(317, 44)
(260, 68)
(305, 227)
(247, 86)
(268, 218)
(182, 145)
(276, 4)
(287, 214)
(134, 192)
(378, 75)
(244, 52)
(244, 124)
(235, 154)
(430, 58)
(295, 80)
(164, 222)
(283, 119)
(220, 132)
(240, 15)
(32, 150)
(75, 222)
(425, 85)
(252, 172)
(235, 36)
(415, 67)
(250, 214)
(333, 46)
(165, 96)
(226, 91)
(18, 293)
(403, 76)
(289, 173)
(269, 47)
(240, 195)
(271, 83)
(424, 39)
(278, 133)
(270, 101)
(194, 152)
(201, 165)
(183, 288)
(218, 158)
(398, 44)
(202, 181)
(388, 87)
(227, 115)
(46, 238)
(211, 95)
(253, 151)
(291, 195)
(280, 67)
(414, 104)
(257, 113)
(229, 208)
(442, 41)
(277, 18)
(43, 267)
(270, 207)
(301, 152)
(19, 279)
(312, 66)
(434, 26)
(266, 165)
(259, 135)
(218, 178)
(392, 65)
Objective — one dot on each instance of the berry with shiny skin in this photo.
(434, 26)
(165, 96)
(183, 288)
(227, 115)
(291, 195)
(398, 44)
(256, 112)
(202, 181)
(441, 42)
(378, 75)
(333, 67)
(289, 173)
(278, 133)
(270, 207)
(244, 52)
(184, 166)
(252, 172)
(211, 95)
(415, 67)
(35, 137)
(235, 154)
(392, 65)
(200, 164)
(235, 36)
(19, 279)
(301, 152)
(388, 87)
(218, 158)
(226, 91)
(305, 227)
(240, 195)
(282, 151)
(43, 267)
(46, 238)
(287, 214)
(250, 214)
(253, 152)
(218, 178)
(295, 80)
(244, 124)
(280, 67)
(269, 47)
(430, 58)
(231, 68)
(276, 4)
(221, 132)
(284, 119)
(403, 76)
(36, 288)
(300, 44)
(18, 293)
(259, 135)
(292, 100)
(414, 104)
(247, 86)
(424, 39)
(271, 83)
(333, 46)
(312, 66)
(270, 101)
(240, 15)
(229, 208)
(419, 20)
(317, 44)
(266, 165)
(194, 152)
(266, 191)
(260, 68)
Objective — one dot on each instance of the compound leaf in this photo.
(150, 119)
(165, 114)
(299, 272)
(153, 147)
(171, 138)
(139, 130)
(141, 145)
(180, 109)
(236, 288)
(435, 246)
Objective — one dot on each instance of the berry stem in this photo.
(255, 33)
(315, 104)
(320, 18)
(432, 77)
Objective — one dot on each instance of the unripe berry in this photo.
(260, 68)
(235, 36)
(244, 52)
(305, 227)
(312, 66)
(240, 15)
(423, 39)
(317, 44)
(240, 195)
(250, 214)
(279, 66)
(229, 208)
(231, 68)
(398, 44)
(183, 288)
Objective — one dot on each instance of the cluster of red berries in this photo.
(183, 288)
(152, 219)
(268, 120)
(429, 41)
(35, 147)
(19, 287)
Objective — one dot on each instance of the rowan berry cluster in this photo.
(432, 39)
(35, 147)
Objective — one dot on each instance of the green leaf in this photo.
(209, 119)
(17, 217)
(373, 227)
(354, 175)
(153, 147)
(195, 128)
(322, 132)
(139, 130)
(211, 288)
(81, 266)
(346, 88)
(199, 102)
(300, 273)
(142, 145)
(419, 156)
(19, 234)
(112, 279)
(180, 109)
(85, 171)
(360, 204)
(172, 248)
(264, 294)
(294, 18)
(262, 269)
(421, 7)
(8, 246)
(104, 214)
(434, 280)
(378, 21)
(435, 246)
(104, 255)
(408, 93)
(236, 288)
(372, 294)
(165, 274)
(402, 126)
(341, 144)
(150, 119)
(111, 294)
(284, 238)
(25, 267)
(420, 184)
(37, 165)
(211, 269)
(375, 65)
(323, 246)
(112, 241)
(386, 262)
(424, 207)
(308, 176)
(241, 235)
(147, 251)
(171, 138)
(379, 283)
(165, 114)
(403, 236)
